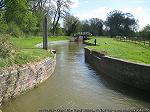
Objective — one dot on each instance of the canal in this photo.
(76, 84)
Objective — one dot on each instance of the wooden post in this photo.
(135, 40)
(95, 42)
(45, 34)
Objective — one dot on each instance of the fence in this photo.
(136, 40)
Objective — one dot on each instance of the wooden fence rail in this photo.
(136, 40)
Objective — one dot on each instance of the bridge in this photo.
(80, 36)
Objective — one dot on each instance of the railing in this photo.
(136, 40)
(83, 34)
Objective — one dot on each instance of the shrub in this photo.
(3, 24)
(7, 50)
(14, 30)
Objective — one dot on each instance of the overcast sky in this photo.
(85, 9)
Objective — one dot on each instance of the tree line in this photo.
(117, 23)
(19, 17)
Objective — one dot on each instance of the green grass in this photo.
(123, 50)
(30, 42)
(24, 56)
(27, 52)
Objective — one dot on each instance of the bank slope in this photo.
(122, 50)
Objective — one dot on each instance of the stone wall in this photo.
(133, 74)
(16, 80)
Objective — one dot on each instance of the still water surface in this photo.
(75, 84)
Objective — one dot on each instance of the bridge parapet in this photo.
(82, 34)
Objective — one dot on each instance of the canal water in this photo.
(77, 85)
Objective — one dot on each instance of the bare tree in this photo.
(60, 10)
(2, 4)
(57, 9)
(43, 5)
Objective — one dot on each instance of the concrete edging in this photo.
(16, 80)
(133, 74)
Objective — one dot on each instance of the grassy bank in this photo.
(26, 51)
(123, 50)
(30, 42)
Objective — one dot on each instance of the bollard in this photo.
(95, 42)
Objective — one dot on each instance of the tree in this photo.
(3, 23)
(40, 9)
(2, 4)
(39, 4)
(122, 24)
(145, 32)
(71, 25)
(93, 25)
(96, 26)
(59, 11)
(85, 26)
(18, 13)
(28, 15)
